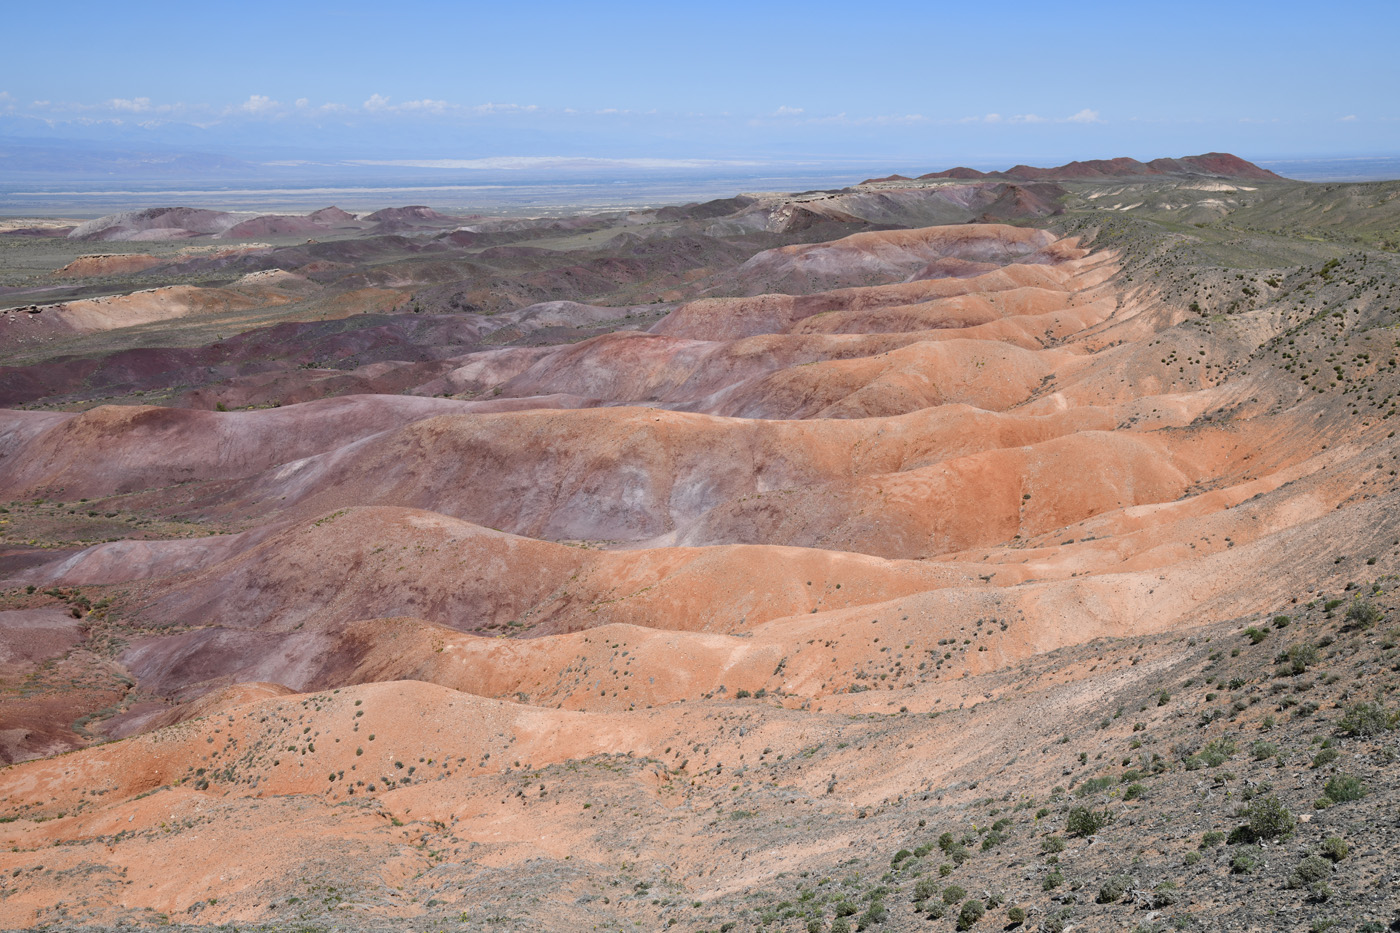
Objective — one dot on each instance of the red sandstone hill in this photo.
(1216, 164)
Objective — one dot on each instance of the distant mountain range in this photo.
(1214, 164)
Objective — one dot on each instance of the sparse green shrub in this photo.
(1362, 614)
(1343, 788)
(953, 894)
(1368, 719)
(1212, 838)
(972, 911)
(1052, 844)
(935, 909)
(1052, 881)
(1134, 791)
(925, 889)
(1114, 888)
(875, 914)
(1334, 848)
(1093, 786)
(1164, 895)
(1016, 915)
(1262, 750)
(1297, 659)
(1310, 871)
(1245, 861)
(1083, 821)
(1255, 635)
(840, 925)
(1267, 818)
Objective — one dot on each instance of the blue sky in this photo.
(908, 85)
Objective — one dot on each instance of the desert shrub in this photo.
(1362, 614)
(1164, 895)
(972, 911)
(1334, 848)
(1262, 750)
(1052, 844)
(1114, 888)
(1325, 757)
(1212, 838)
(1310, 871)
(1245, 861)
(953, 894)
(992, 840)
(875, 914)
(935, 909)
(1255, 635)
(1093, 786)
(840, 925)
(925, 889)
(1134, 791)
(845, 908)
(1016, 915)
(1365, 719)
(1267, 818)
(1052, 881)
(1083, 821)
(1345, 787)
(900, 856)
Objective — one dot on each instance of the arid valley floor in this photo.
(1009, 551)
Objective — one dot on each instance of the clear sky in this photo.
(910, 85)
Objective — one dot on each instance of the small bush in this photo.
(1016, 915)
(1083, 821)
(972, 911)
(925, 889)
(1255, 635)
(1134, 791)
(1052, 844)
(1212, 838)
(1334, 848)
(1344, 788)
(1362, 614)
(1310, 871)
(1114, 888)
(875, 914)
(1268, 818)
(1245, 861)
(1052, 881)
(1262, 750)
(1365, 719)
(953, 893)
(1325, 757)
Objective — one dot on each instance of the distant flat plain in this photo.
(518, 193)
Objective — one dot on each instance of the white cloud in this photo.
(1349, 118)
(1084, 116)
(377, 102)
(302, 103)
(425, 105)
(258, 103)
(133, 105)
(786, 111)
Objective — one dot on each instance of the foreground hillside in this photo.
(782, 564)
